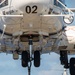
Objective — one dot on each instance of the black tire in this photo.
(72, 66)
(24, 59)
(36, 58)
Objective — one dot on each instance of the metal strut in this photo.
(30, 51)
(29, 68)
(30, 47)
(65, 71)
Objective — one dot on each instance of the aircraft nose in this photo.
(31, 5)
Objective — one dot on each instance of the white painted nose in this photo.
(32, 5)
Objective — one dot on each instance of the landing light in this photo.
(68, 19)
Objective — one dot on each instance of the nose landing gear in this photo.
(27, 57)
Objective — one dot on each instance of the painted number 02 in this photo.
(30, 9)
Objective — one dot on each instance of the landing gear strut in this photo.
(29, 67)
(65, 72)
(64, 61)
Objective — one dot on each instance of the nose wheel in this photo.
(36, 58)
(25, 59)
